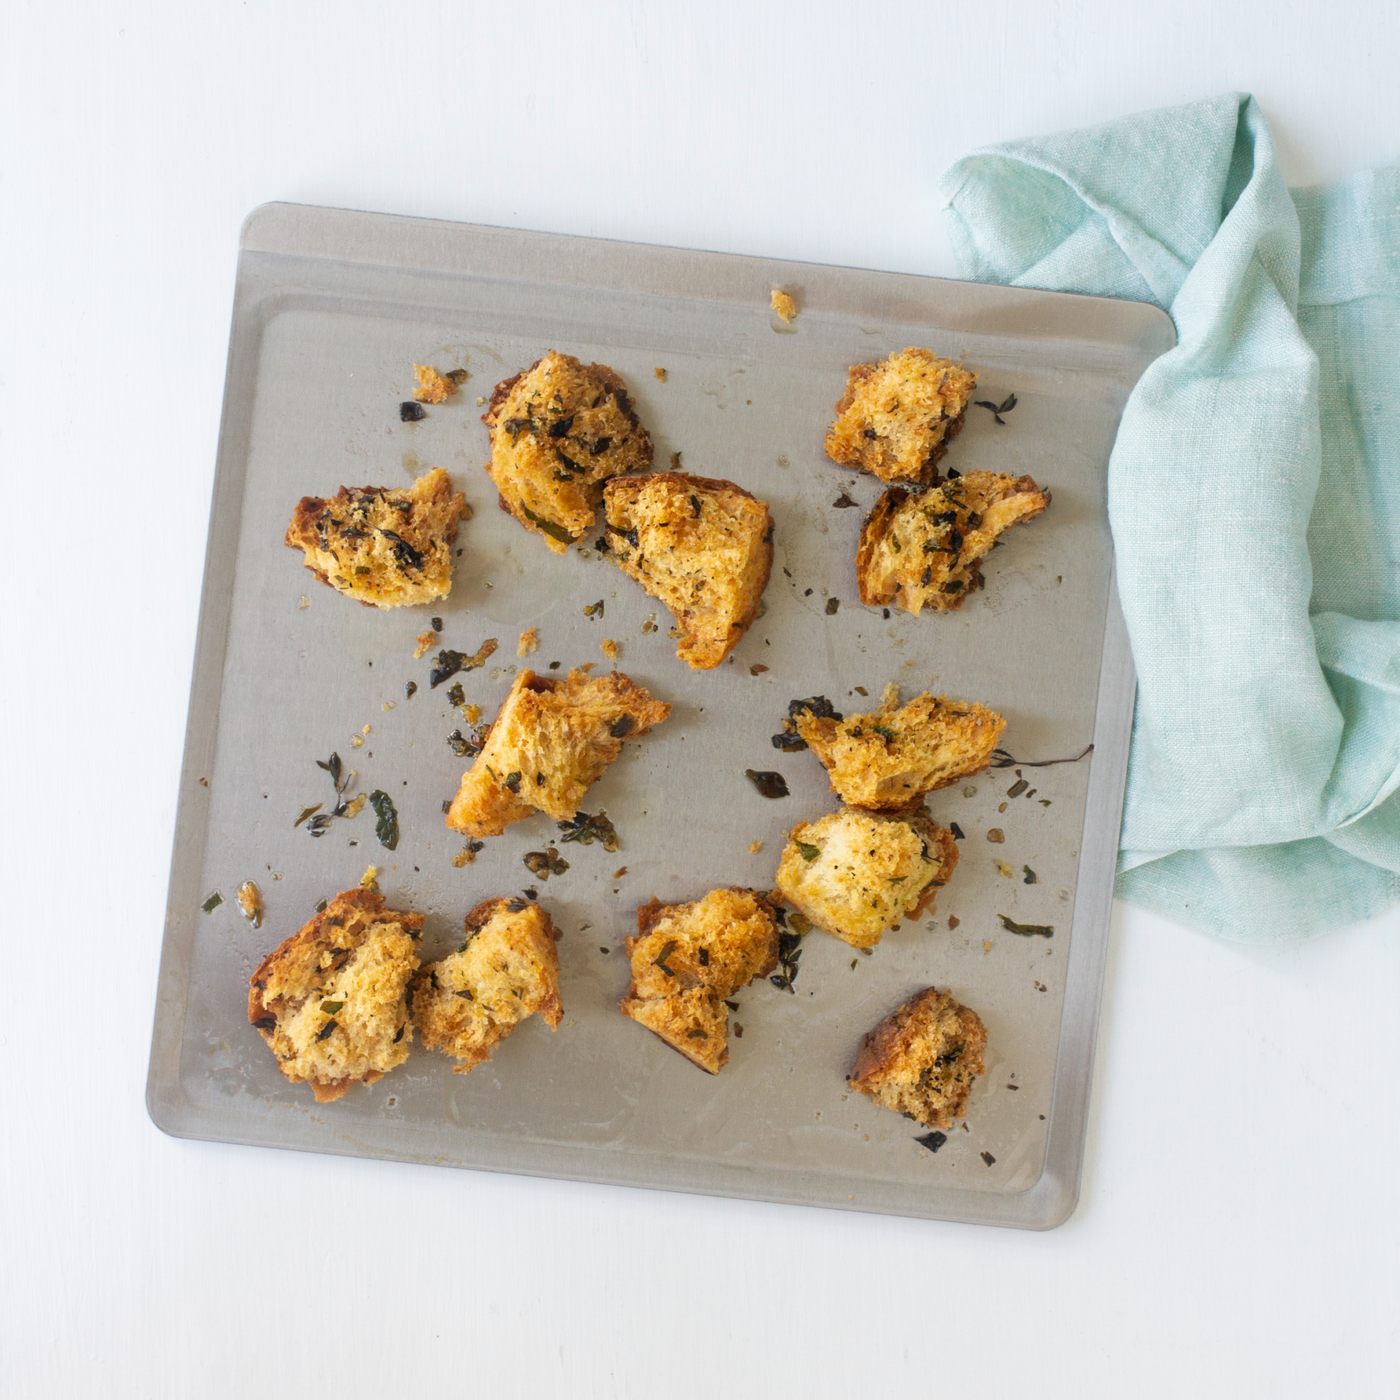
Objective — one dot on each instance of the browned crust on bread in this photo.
(701, 545)
(922, 1059)
(687, 958)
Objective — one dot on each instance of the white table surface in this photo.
(1237, 1234)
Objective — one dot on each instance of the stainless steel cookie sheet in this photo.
(331, 312)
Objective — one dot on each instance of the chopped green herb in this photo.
(448, 663)
(933, 1141)
(326, 1030)
(1031, 876)
(1002, 759)
(555, 532)
(331, 1007)
(832, 604)
(545, 863)
(808, 852)
(212, 903)
(1017, 788)
(768, 783)
(321, 906)
(1027, 930)
(594, 609)
(387, 827)
(455, 694)
(513, 780)
(667, 948)
(306, 812)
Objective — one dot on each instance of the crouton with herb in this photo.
(385, 547)
(331, 1000)
(505, 970)
(924, 549)
(550, 741)
(897, 417)
(704, 548)
(856, 874)
(921, 1060)
(688, 958)
(888, 759)
(559, 430)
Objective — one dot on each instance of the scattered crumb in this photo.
(1002, 807)
(619, 872)
(953, 921)
(650, 624)
(480, 401)
(388, 705)
(889, 697)
(987, 947)
(425, 641)
(1004, 869)
(356, 805)
(305, 603)
(970, 790)
(757, 669)
(250, 903)
(783, 305)
(467, 854)
(675, 461)
(366, 729)
(472, 713)
(610, 649)
(660, 374)
(996, 835)
(529, 641)
(755, 847)
(356, 742)
(432, 387)
(369, 881)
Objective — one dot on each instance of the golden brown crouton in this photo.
(559, 430)
(330, 1000)
(890, 758)
(687, 958)
(923, 549)
(385, 547)
(703, 547)
(550, 741)
(897, 417)
(507, 969)
(921, 1060)
(856, 874)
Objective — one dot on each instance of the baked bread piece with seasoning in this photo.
(506, 970)
(921, 1060)
(559, 430)
(856, 874)
(897, 417)
(687, 958)
(331, 999)
(702, 547)
(888, 759)
(550, 741)
(385, 547)
(924, 549)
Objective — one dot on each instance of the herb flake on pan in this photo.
(832, 604)
(387, 826)
(1002, 759)
(789, 741)
(933, 1141)
(545, 863)
(768, 783)
(957, 831)
(305, 813)
(1017, 788)
(1031, 877)
(448, 663)
(586, 829)
(456, 695)
(789, 955)
(1027, 930)
(997, 409)
(594, 609)
(844, 502)
(212, 903)
(410, 412)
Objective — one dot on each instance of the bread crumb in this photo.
(783, 305)
(305, 602)
(1004, 869)
(426, 640)
(388, 705)
(660, 373)
(472, 713)
(610, 649)
(366, 729)
(755, 847)
(986, 947)
(368, 880)
(889, 697)
(250, 902)
(465, 856)
(529, 641)
(432, 387)
(356, 742)
(996, 835)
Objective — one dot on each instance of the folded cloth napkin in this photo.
(1254, 498)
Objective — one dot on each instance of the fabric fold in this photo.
(1254, 499)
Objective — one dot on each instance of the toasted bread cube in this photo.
(331, 1001)
(383, 546)
(550, 741)
(889, 759)
(559, 430)
(897, 417)
(921, 1060)
(856, 874)
(687, 958)
(507, 969)
(703, 547)
(924, 549)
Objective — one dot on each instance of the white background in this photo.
(1238, 1229)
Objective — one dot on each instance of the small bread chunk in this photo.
(889, 759)
(897, 417)
(559, 430)
(383, 546)
(923, 549)
(921, 1060)
(687, 958)
(507, 969)
(856, 874)
(550, 741)
(704, 548)
(330, 1001)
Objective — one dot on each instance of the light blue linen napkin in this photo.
(1254, 498)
